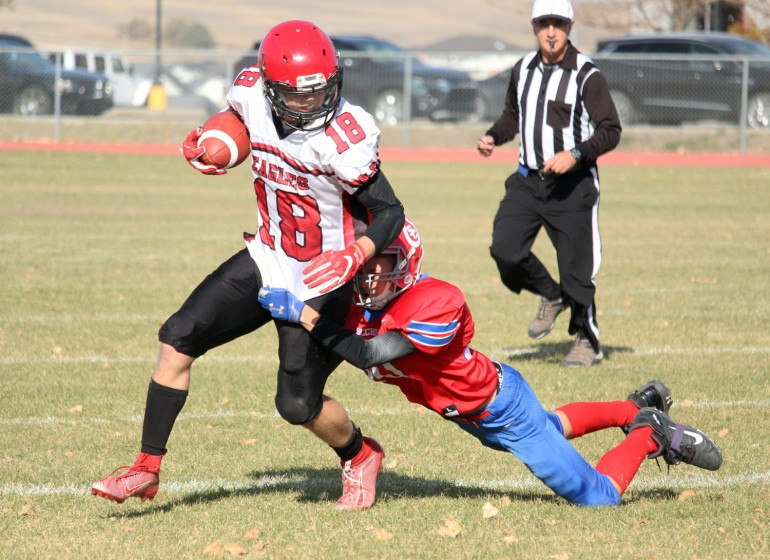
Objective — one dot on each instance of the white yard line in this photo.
(356, 411)
(271, 357)
(685, 480)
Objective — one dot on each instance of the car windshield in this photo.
(377, 51)
(749, 48)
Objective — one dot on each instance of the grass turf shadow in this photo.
(313, 485)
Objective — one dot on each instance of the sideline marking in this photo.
(435, 155)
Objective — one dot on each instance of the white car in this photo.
(128, 90)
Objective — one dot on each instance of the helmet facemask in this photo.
(402, 270)
(315, 118)
(366, 285)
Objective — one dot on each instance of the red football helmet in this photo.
(296, 57)
(407, 248)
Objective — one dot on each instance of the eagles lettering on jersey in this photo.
(303, 183)
(444, 370)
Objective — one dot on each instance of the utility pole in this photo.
(158, 99)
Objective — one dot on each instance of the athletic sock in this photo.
(149, 462)
(621, 462)
(587, 417)
(163, 406)
(352, 448)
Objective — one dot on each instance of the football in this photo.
(226, 140)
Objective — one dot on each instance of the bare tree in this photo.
(667, 15)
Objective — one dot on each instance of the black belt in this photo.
(539, 173)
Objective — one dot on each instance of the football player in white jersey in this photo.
(318, 184)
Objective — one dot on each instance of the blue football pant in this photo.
(518, 423)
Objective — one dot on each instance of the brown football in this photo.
(226, 140)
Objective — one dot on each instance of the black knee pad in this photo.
(295, 410)
(176, 333)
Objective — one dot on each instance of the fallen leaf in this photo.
(225, 400)
(450, 529)
(686, 495)
(721, 530)
(685, 404)
(77, 409)
(505, 502)
(69, 453)
(383, 535)
(56, 350)
(510, 539)
(27, 509)
(488, 510)
(638, 524)
(723, 432)
(213, 549)
(562, 556)
(235, 549)
(250, 441)
(252, 534)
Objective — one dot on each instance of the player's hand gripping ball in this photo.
(221, 143)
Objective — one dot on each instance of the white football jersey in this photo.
(303, 183)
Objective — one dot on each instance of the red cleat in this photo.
(140, 481)
(359, 482)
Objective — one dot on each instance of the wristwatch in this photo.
(577, 154)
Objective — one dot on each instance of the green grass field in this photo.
(97, 250)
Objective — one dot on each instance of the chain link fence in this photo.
(76, 95)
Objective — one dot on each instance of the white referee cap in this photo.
(558, 9)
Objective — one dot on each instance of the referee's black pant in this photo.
(567, 206)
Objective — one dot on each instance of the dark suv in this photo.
(28, 83)
(677, 77)
(373, 77)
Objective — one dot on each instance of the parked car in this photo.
(129, 90)
(374, 71)
(491, 95)
(677, 77)
(28, 83)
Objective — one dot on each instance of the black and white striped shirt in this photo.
(558, 107)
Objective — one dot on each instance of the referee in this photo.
(560, 104)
